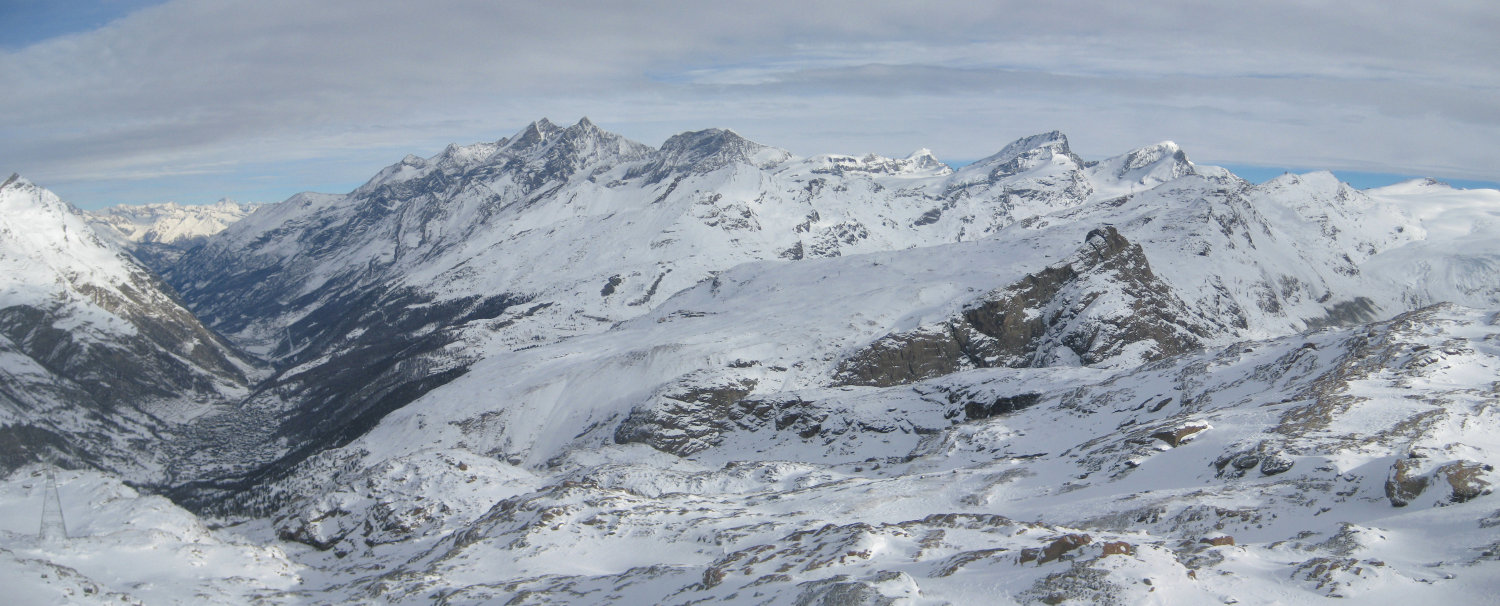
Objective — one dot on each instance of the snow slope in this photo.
(125, 547)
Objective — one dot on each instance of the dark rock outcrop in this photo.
(1465, 479)
(1178, 436)
(1087, 311)
(685, 418)
(1056, 549)
(1269, 458)
(1403, 485)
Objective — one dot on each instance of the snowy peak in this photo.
(584, 146)
(1161, 162)
(1054, 141)
(546, 153)
(41, 235)
(1320, 180)
(1141, 168)
(924, 159)
(1152, 154)
(708, 150)
(410, 167)
(535, 134)
(541, 152)
(585, 128)
(545, 139)
(465, 155)
(1027, 153)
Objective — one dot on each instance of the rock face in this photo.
(1178, 436)
(1102, 304)
(689, 416)
(1270, 459)
(1056, 549)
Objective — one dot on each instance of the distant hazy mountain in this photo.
(158, 233)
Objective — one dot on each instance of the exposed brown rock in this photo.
(904, 358)
(1179, 436)
(1219, 541)
(1403, 484)
(712, 577)
(1465, 479)
(1062, 545)
(1118, 548)
(1029, 554)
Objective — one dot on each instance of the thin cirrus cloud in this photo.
(195, 99)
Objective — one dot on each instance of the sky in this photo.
(137, 101)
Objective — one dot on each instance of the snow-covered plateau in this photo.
(566, 367)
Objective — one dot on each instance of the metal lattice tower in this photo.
(54, 528)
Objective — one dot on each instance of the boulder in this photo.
(1181, 435)
(1404, 482)
(1465, 479)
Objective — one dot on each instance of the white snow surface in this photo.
(124, 547)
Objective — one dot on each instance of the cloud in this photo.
(206, 86)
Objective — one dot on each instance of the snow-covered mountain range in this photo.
(169, 222)
(160, 232)
(569, 367)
